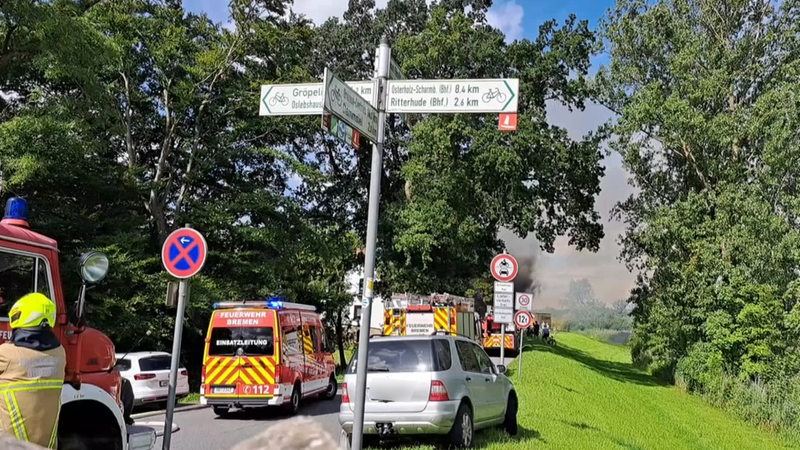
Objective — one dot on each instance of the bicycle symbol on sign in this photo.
(494, 94)
(279, 97)
(336, 95)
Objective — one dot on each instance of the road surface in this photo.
(201, 429)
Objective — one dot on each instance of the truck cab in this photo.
(91, 413)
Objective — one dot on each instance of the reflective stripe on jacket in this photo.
(30, 392)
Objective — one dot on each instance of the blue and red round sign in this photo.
(184, 252)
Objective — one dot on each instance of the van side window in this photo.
(313, 332)
(20, 275)
(292, 342)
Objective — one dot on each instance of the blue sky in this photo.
(521, 19)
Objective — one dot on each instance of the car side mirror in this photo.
(501, 368)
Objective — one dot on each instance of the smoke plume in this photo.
(525, 251)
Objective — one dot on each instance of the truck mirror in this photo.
(93, 267)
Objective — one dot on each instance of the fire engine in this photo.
(411, 314)
(91, 411)
(265, 353)
(492, 332)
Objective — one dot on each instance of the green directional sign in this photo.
(453, 96)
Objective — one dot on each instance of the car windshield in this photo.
(400, 356)
(254, 341)
(151, 363)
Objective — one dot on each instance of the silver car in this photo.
(429, 385)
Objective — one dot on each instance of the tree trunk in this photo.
(340, 340)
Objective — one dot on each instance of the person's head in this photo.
(34, 310)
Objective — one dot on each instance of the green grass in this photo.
(348, 352)
(193, 397)
(585, 394)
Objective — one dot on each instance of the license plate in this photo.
(223, 390)
(163, 383)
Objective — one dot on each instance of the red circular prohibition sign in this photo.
(511, 266)
(184, 252)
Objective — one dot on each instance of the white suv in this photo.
(432, 385)
(148, 373)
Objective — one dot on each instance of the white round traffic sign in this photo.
(504, 267)
(523, 319)
(524, 300)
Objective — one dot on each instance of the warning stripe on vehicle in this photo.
(441, 321)
(222, 370)
(388, 322)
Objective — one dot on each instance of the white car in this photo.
(148, 373)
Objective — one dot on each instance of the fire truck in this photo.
(91, 409)
(492, 333)
(411, 314)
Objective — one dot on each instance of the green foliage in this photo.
(708, 131)
(128, 119)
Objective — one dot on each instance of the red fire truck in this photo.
(91, 412)
(492, 333)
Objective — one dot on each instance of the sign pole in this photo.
(521, 338)
(502, 344)
(173, 369)
(183, 255)
(382, 73)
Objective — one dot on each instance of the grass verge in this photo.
(585, 394)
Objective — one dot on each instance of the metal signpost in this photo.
(354, 109)
(183, 254)
(522, 320)
(504, 269)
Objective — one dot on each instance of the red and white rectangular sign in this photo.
(507, 122)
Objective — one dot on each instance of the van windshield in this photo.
(254, 341)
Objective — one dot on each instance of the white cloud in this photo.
(507, 16)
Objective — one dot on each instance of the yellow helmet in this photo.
(32, 310)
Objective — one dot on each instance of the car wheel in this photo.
(462, 435)
(294, 401)
(221, 411)
(510, 421)
(330, 391)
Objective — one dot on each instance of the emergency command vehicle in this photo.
(265, 353)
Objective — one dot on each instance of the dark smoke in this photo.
(525, 252)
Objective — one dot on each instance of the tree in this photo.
(581, 294)
(706, 128)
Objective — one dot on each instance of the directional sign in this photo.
(523, 301)
(301, 99)
(341, 100)
(184, 252)
(523, 319)
(504, 267)
(453, 96)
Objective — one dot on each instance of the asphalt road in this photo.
(201, 429)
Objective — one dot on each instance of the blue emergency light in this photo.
(16, 209)
(274, 302)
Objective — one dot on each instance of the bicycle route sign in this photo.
(453, 96)
(184, 252)
(345, 103)
(302, 98)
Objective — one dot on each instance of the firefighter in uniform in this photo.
(32, 367)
